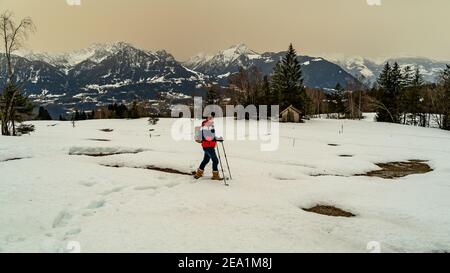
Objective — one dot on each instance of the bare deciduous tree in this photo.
(13, 36)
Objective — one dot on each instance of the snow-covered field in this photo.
(50, 198)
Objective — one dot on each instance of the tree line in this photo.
(284, 87)
(111, 111)
(400, 95)
(403, 97)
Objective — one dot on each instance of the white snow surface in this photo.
(50, 198)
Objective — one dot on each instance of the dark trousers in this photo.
(210, 154)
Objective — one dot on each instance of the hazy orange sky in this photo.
(187, 27)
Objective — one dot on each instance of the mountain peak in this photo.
(239, 49)
(233, 53)
(109, 45)
(195, 61)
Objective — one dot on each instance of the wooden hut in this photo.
(291, 114)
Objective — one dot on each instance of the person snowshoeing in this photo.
(209, 143)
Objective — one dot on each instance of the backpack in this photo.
(198, 134)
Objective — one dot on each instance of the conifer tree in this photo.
(134, 111)
(397, 80)
(83, 115)
(266, 97)
(277, 84)
(391, 84)
(43, 114)
(445, 85)
(287, 82)
(418, 78)
(338, 99)
(211, 96)
(405, 98)
(77, 115)
(408, 76)
(384, 84)
(414, 100)
(385, 77)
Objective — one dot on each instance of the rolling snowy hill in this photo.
(56, 190)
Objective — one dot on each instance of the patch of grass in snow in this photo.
(99, 139)
(391, 170)
(329, 211)
(152, 168)
(326, 174)
(103, 151)
(13, 159)
(394, 170)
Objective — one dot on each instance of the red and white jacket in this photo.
(208, 134)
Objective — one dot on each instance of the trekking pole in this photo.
(221, 166)
(226, 158)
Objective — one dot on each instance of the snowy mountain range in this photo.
(317, 72)
(116, 72)
(370, 69)
(120, 72)
(102, 73)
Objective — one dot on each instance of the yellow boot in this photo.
(216, 176)
(198, 174)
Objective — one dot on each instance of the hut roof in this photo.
(291, 107)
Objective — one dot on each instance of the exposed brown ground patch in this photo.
(102, 154)
(166, 170)
(13, 159)
(330, 211)
(327, 174)
(392, 170)
(99, 139)
(153, 168)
